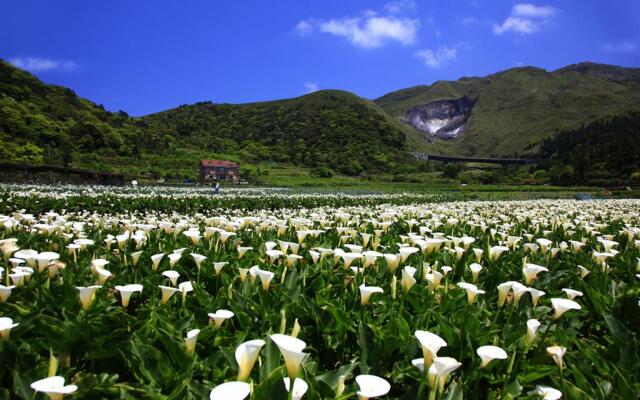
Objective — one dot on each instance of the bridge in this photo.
(481, 160)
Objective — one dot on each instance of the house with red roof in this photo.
(219, 170)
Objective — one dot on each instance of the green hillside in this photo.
(326, 132)
(515, 109)
(326, 129)
(34, 116)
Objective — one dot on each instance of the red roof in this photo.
(218, 163)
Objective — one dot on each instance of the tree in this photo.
(28, 154)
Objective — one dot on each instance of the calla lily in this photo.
(242, 272)
(217, 266)
(393, 260)
(155, 260)
(231, 391)
(291, 349)
(315, 256)
(371, 386)
(265, 278)
(367, 291)
(246, 356)
(490, 353)
(242, 251)
(408, 280)
(135, 257)
(274, 255)
(53, 387)
(5, 292)
(6, 324)
(560, 306)
(532, 329)
(496, 251)
(172, 276)
(103, 275)
(583, 271)
(292, 259)
(478, 254)
(126, 291)
(191, 340)
(544, 244)
(29, 256)
(45, 258)
(475, 270)
(472, 291)
(547, 393)
(518, 291)
(198, 259)
(430, 344)
(433, 280)
(87, 295)
(535, 295)
(220, 316)
(300, 387)
(167, 292)
(349, 258)
(531, 271)
(418, 363)
(572, 294)
(557, 352)
(503, 292)
(405, 252)
(370, 258)
(174, 258)
(440, 370)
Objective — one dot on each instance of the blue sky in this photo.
(146, 56)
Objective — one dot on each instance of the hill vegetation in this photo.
(34, 116)
(326, 130)
(331, 129)
(518, 108)
(310, 138)
(605, 152)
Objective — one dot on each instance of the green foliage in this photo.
(517, 108)
(603, 152)
(321, 171)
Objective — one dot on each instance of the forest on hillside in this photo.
(605, 152)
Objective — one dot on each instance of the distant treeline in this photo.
(605, 152)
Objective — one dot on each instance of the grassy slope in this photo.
(517, 108)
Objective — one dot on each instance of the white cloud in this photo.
(620, 47)
(304, 27)
(525, 19)
(35, 64)
(401, 6)
(311, 87)
(438, 58)
(533, 11)
(373, 32)
(369, 29)
(516, 24)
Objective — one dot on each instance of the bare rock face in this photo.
(444, 119)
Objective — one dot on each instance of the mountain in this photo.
(603, 153)
(325, 128)
(34, 115)
(509, 113)
(333, 129)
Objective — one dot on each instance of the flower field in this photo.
(115, 294)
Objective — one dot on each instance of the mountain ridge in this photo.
(512, 112)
